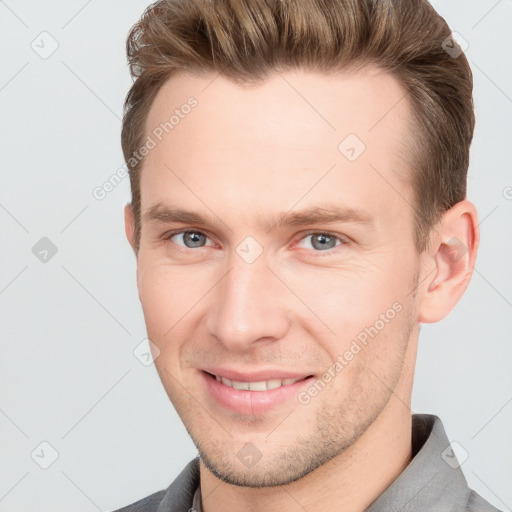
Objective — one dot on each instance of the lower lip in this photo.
(251, 402)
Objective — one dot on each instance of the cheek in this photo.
(363, 315)
(167, 294)
(346, 300)
(368, 356)
(335, 302)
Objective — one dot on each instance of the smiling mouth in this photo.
(264, 385)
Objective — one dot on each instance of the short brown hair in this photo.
(246, 40)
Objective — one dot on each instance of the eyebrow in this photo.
(163, 214)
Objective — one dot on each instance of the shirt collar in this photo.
(433, 479)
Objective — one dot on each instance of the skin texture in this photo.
(245, 154)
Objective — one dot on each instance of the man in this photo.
(298, 174)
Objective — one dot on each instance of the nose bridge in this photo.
(248, 304)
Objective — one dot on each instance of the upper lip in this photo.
(255, 376)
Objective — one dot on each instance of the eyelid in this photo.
(339, 236)
(169, 234)
(342, 238)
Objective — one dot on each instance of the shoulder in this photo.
(147, 504)
(177, 497)
(477, 504)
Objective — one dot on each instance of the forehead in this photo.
(297, 136)
(295, 104)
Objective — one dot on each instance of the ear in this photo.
(129, 225)
(452, 253)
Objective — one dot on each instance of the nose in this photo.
(248, 306)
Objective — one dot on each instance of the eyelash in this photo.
(328, 252)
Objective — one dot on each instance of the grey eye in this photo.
(191, 239)
(322, 241)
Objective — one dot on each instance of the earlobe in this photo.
(453, 251)
(129, 224)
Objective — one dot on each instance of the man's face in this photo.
(253, 300)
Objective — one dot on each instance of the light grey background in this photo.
(69, 326)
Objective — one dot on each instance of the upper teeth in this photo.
(257, 386)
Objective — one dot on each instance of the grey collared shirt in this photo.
(433, 481)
